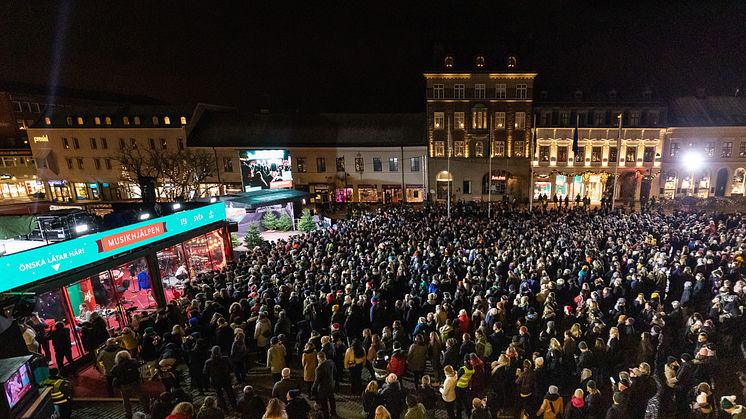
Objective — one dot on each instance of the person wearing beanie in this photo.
(728, 405)
(553, 406)
(576, 409)
(618, 409)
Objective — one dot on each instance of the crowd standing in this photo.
(572, 313)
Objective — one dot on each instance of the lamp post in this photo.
(693, 161)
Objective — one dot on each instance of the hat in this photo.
(553, 390)
(728, 402)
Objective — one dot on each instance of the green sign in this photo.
(25, 267)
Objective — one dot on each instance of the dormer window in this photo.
(448, 62)
(480, 61)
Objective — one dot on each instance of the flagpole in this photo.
(531, 168)
(489, 174)
(618, 156)
(450, 178)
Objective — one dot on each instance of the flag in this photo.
(575, 147)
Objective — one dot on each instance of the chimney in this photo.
(701, 92)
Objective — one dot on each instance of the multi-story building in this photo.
(706, 143)
(335, 157)
(632, 153)
(75, 148)
(479, 120)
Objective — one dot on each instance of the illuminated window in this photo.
(479, 149)
(107, 120)
(167, 120)
(183, 120)
(521, 91)
(155, 120)
(438, 91)
(137, 120)
(458, 91)
(439, 149)
(97, 120)
(501, 91)
(520, 120)
(438, 120)
(479, 91)
(458, 120)
(47, 120)
(80, 120)
(500, 120)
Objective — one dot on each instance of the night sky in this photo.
(350, 56)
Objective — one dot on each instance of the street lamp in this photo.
(692, 161)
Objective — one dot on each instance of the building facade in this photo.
(479, 122)
(632, 153)
(705, 147)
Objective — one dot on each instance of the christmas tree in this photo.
(285, 223)
(306, 223)
(253, 238)
(269, 221)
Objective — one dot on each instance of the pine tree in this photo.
(253, 238)
(269, 221)
(306, 224)
(285, 223)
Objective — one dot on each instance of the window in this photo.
(519, 149)
(48, 120)
(648, 154)
(562, 154)
(69, 120)
(499, 147)
(520, 120)
(613, 154)
(521, 91)
(500, 120)
(564, 119)
(458, 120)
(501, 91)
(155, 120)
(727, 150)
(180, 143)
(458, 149)
(710, 149)
(580, 155)
(167, 120)
(93, 144)
(137, 120)
(125, 120)
(596, 154)
(742, 150)
(438, 120)
(164, 144)
(439, 149)
(599, 118)
(107, 163)
(122, 144)
(393, 164)
(107, 120)
(183, 120)
(479, 149)
(675, 150)
(69, 164)
(414, 164)
(300, 163)
(340, 162)
(76, 144)
(467, 187)
(104, 144)
(80, 163)
(97, 164)
(227, 165)
(479, 118)
(151, 142)
(479, 91)
(65, 144)
(438, 91)
(320, 164)
(544, 153)
(458, 91)
(631, 154)
(377, 165)
(17, 106)
(80, 120)
(97, 120)
(634, 118)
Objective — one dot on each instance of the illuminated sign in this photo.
(25, 267)
(41, 139)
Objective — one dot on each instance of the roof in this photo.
(263, 198)
(708, 111)
(238, 129)
(59, 115)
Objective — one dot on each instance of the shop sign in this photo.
(25, 267)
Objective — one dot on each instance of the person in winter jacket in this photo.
(553, 406)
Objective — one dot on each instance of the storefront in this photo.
(367, 193)
(415, 192)
(121, 272)
(391, 193)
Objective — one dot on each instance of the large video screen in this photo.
(266, 169)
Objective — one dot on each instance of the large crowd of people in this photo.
(570, 313)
